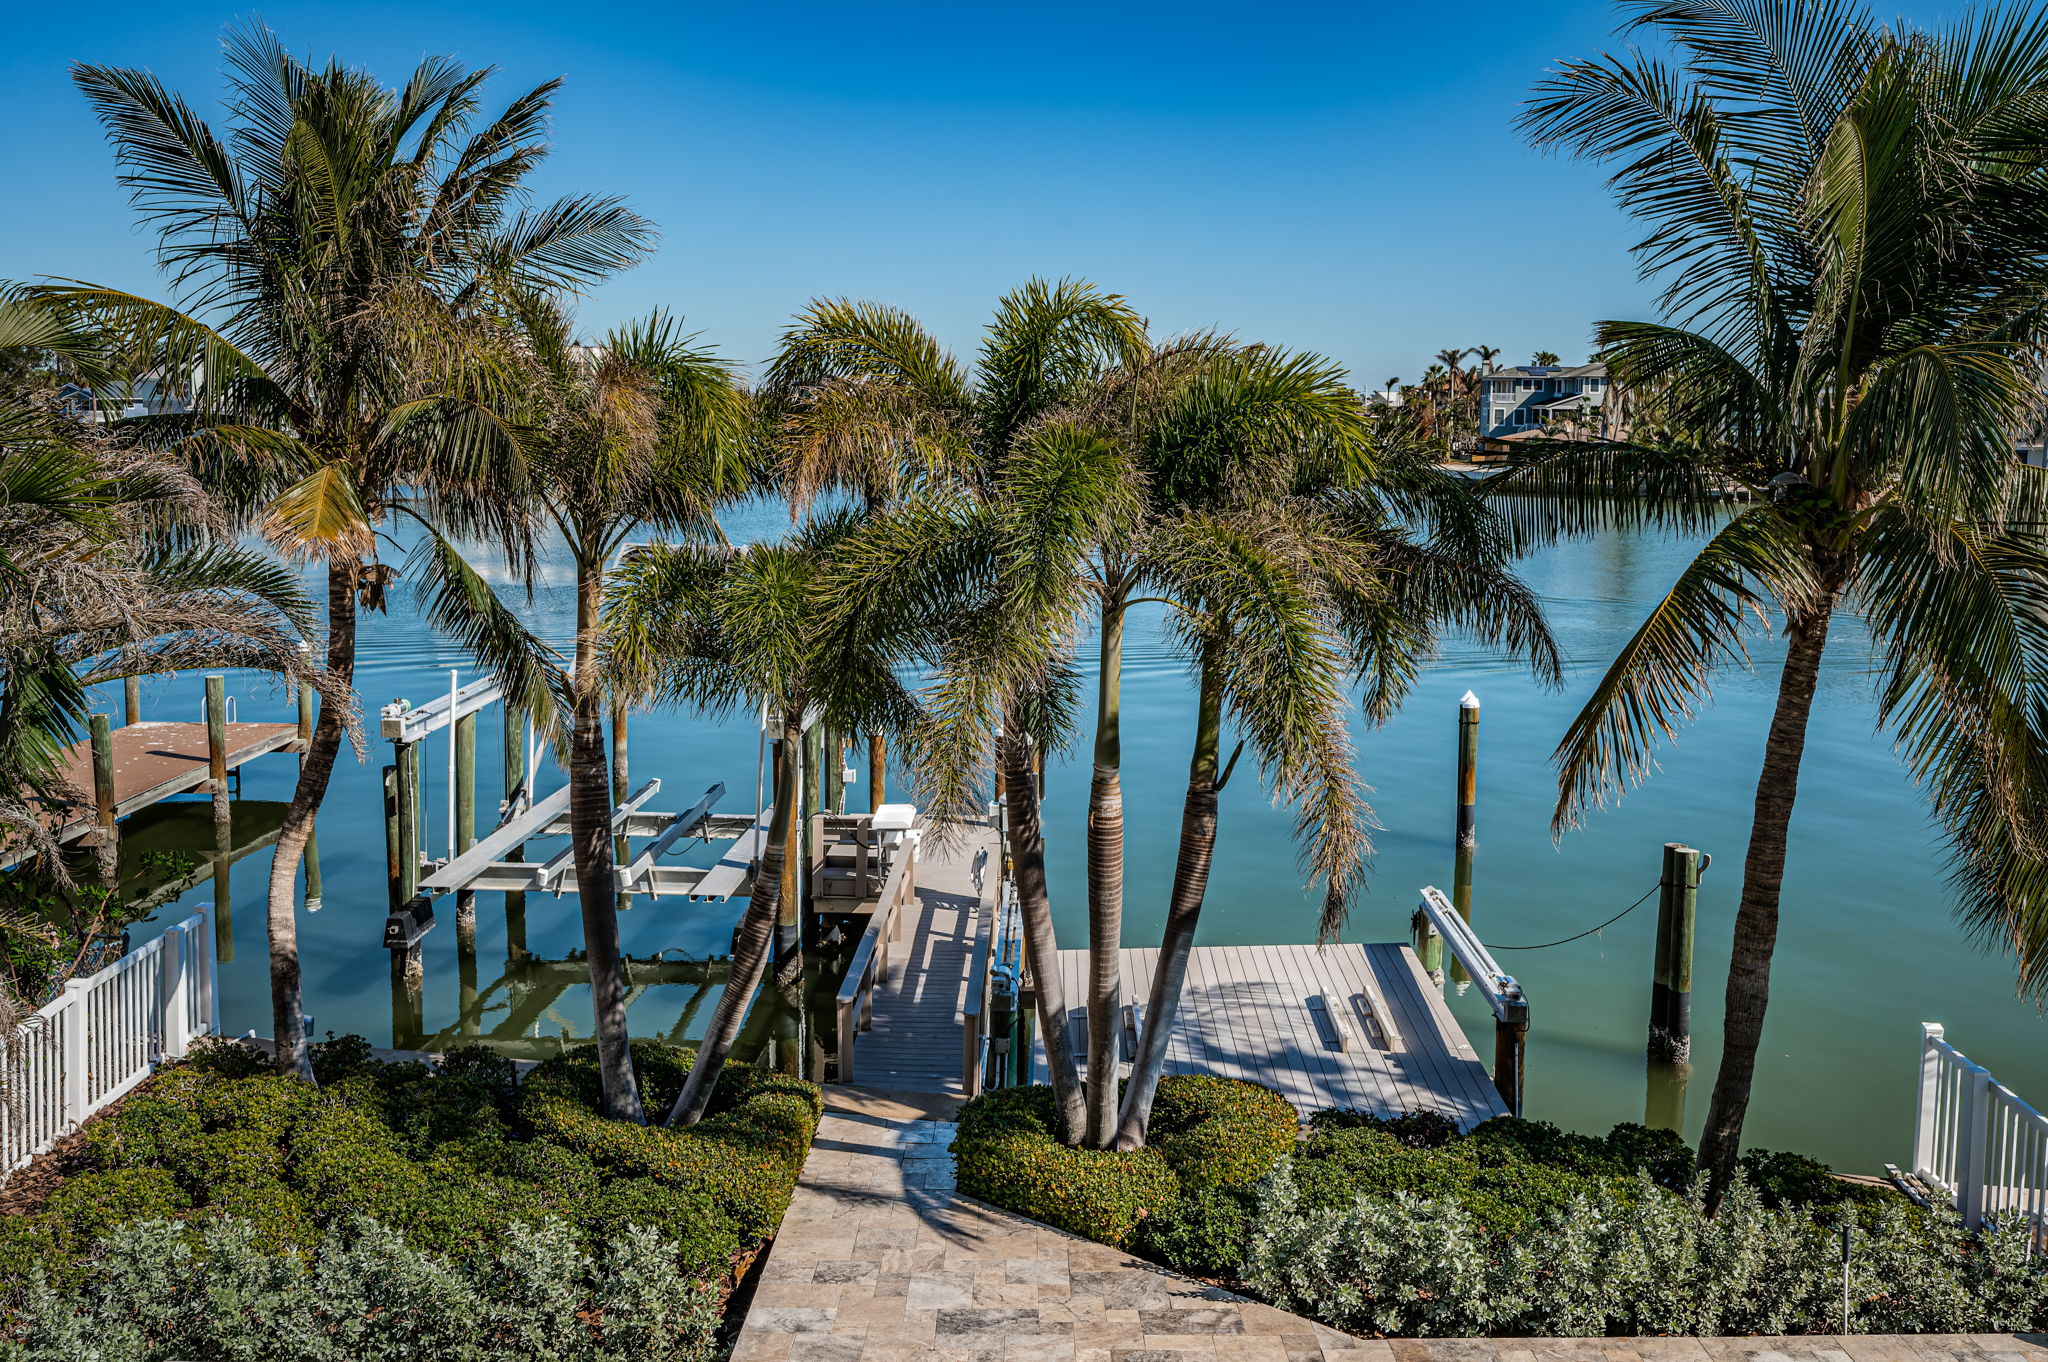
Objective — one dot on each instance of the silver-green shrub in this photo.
(153, 1294)
(1648, 1263)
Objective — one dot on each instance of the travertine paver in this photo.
(879, 1260)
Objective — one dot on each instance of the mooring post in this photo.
(131, 695)
(394, 852)
(1510, 1042)
(104, 800)
(312, 860)
(408, 819)
(305, 715)
(1671, 986)
(512, 742)
(217, 744)
(465, 818)
(878, 771)
(1468, 771)
(834, 772)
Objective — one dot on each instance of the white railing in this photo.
(1974, 1138)
(90, 1045)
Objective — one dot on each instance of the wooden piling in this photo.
(1671, 986)
(1510, 1043)
(1468, 771)
(131, 695)
(217, 744)
(408, 819)
(512, 740)
(878, 771)
(394, 852)
(465, 814)
(312, 864)
(1429, 947)
(834, 772)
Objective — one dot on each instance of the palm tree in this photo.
(1848, 218)
(642, 431)
(335, 258)
(729, 630)
(1280, 542)
(1544, 358)
(1047, 349)
(1487, 355)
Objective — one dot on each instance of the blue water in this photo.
(1868, 948)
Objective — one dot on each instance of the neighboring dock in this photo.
(150, 762)
(1344, 1025)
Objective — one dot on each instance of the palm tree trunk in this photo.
(1106, 882)
(1756, 920)
(878, 771)
(287, 995)
(590, 835)
(750, 949)
(1184, 907)
(1041, 947)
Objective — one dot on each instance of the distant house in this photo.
(1579, 399)
(143, 397)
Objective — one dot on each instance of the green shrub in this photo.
(339, 1057)
(30, 1244)
(223, 1057)
(348, 1162)
(276, 1216)
(1783, 1178)
(483, 1066)
(687, 1221)
(226, 1156)
(267, 1104)
(1203, 1232)
(744, 1160)
(147, 1129)
(1007, 1156)
(1219, 1132)
(90, 1205)
(368, 1296)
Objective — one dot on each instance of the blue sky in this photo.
(1343, 178)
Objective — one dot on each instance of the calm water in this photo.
(1868, 948)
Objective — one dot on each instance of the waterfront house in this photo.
(1576, 401)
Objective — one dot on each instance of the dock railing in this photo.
(1974, 1138)
(102, 1035)
(870, 963)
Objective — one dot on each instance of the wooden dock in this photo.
(152, 762)
(1247, 1013)
(912, 1043)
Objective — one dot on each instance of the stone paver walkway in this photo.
(880, 1260)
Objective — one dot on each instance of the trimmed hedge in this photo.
(1206, 1133)
(453, 1162)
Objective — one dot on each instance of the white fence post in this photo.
(1972, 1163)
(1926, 1116)
(175, 991)
(72, 1016)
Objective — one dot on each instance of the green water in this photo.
(1868, 948)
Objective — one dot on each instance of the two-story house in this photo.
(1529, 397)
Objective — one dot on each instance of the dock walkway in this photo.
(913, 1042)
(1246, 1014)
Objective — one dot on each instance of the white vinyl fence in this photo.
(104, 1034)
(1974, 1138)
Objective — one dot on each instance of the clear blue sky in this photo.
(1343, 178)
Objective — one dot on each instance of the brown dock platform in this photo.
(152, 762)
(1246, 1014)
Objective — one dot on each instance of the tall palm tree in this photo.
(334, 257)
(643, 431)
(730, 630)
(1544, 357)
(1487, 355)
(1048, 348)
(1849, 222)
(1281, 544)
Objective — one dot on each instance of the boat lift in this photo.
(1503, 994)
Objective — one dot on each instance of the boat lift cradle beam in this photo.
(1502, 992)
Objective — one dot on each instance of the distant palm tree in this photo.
(1545, 358)
(644, 431)
(335, 257)
(1487, 355)
(1854, 247)
(729, 630)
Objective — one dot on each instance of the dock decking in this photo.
(1246, 1014)
(913, 1040)
(152, 762)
